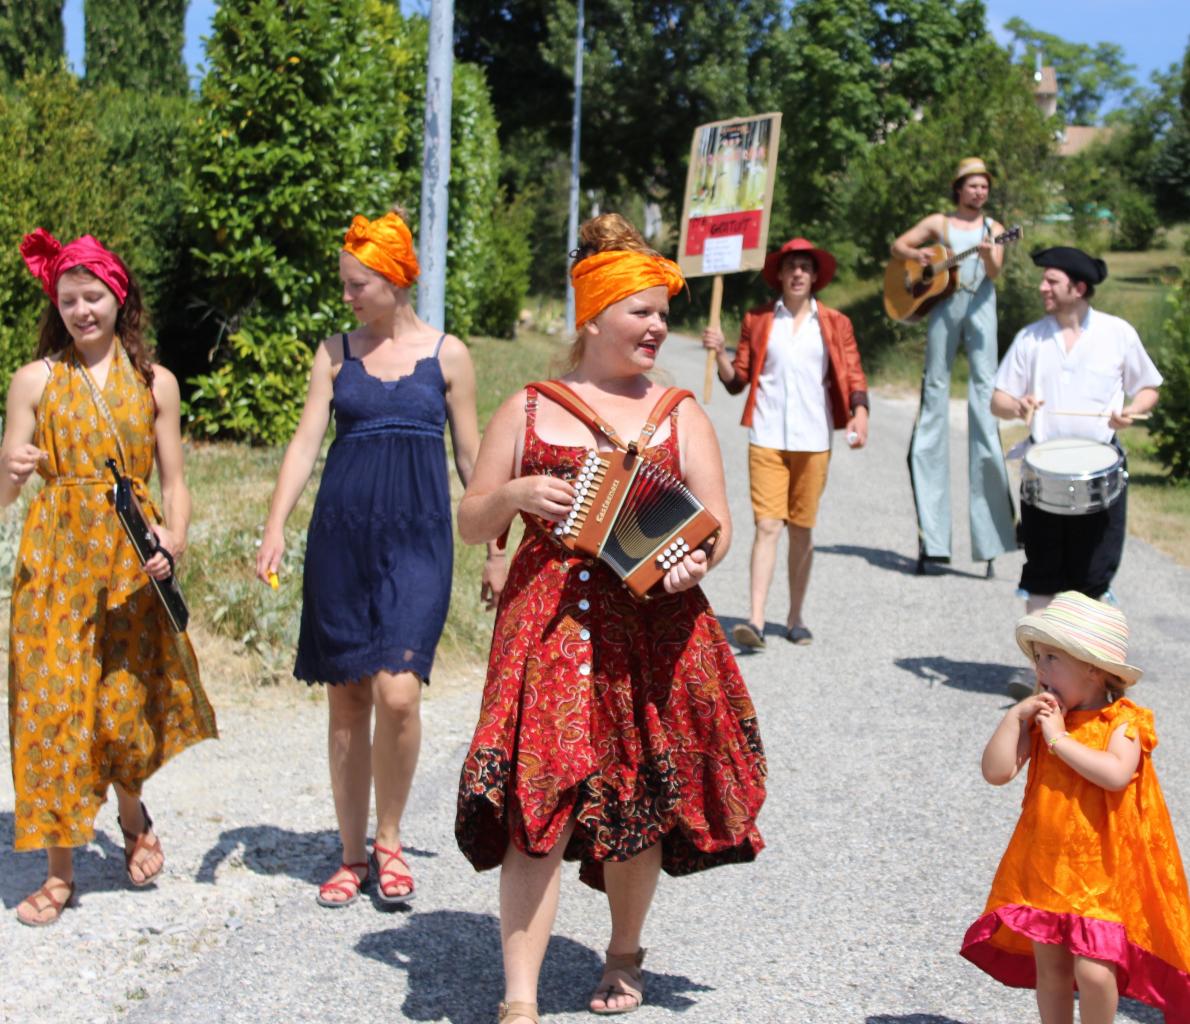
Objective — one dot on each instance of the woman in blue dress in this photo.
(379, 551)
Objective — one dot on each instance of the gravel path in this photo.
(882, 837)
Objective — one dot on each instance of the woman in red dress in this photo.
(614, 731)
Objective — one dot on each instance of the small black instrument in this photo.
(144, 540)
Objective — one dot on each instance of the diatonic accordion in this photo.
(634, 516)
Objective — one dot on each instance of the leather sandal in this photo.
(50, 902)
(507, 1011)
(142, 842)
(345, 881)
(395, 877)
(622, 976)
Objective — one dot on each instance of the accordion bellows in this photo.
(634, 516)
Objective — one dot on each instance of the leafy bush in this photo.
(308, 116)
(1136, 221)
(504, 280)
(1170, 425)
(61, 170)
(302, 124)
(257, 392)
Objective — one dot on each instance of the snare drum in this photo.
(1072, 476)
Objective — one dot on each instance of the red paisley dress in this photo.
(631, 716)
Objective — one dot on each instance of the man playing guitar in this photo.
(967, 316)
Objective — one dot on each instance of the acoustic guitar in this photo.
(911, 290)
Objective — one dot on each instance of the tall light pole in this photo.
(435, 166)
(575, 132)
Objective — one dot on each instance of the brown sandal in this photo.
(622, 976)
(56, 905)
(510, 1010)
(141, 842)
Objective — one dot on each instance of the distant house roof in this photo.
(1074, 138)
(1046, 82)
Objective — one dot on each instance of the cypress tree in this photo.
(136, 44)
(31, 36)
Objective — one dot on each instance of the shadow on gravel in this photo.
(894, 561)
(452, 960)
(773, 632)
(973, 676)
(1128, 1009)
(98, 866)
(269, 850)
(912, 1018)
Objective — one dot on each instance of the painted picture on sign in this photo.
(729, 189)
(732, 168)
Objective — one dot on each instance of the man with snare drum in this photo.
(1068, 376)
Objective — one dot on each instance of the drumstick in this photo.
(1101, 415)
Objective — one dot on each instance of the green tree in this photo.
(55, 173)
(1088, 76)
(890, 186)
(857, 71)
(31, 36)
(1170, 166)
(308, 116)
(136, 44)
(301, 125)
(1171, 417)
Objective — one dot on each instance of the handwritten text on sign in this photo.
(723, 255)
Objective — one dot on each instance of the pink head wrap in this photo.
(47, 259)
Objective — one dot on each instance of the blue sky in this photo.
(1153, 33)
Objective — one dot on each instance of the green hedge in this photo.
(81, 161)
(1170, 425)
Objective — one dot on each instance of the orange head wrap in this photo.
(614, 274)
(386, 246)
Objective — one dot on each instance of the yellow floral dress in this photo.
(100, 690)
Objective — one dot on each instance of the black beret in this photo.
(1075, 263)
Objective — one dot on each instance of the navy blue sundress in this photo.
(380, 550)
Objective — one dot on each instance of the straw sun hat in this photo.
(1084, 628)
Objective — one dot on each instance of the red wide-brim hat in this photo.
(823, 260)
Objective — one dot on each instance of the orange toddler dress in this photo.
(100, 690)
(1095, 871)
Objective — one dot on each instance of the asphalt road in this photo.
(882, 837)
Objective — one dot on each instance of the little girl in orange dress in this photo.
(1091, 893)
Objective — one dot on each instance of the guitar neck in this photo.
(953, 261)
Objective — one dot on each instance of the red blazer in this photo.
(848, 385)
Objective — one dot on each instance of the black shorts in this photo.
(1072, 552)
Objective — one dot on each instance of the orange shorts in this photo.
(787, 485)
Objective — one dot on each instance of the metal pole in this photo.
(575, 132)
(435, 173)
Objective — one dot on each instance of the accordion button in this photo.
(584, 575)
(584, 634)
(584, 605)
(584, 669)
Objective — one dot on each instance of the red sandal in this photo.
(142, 842)
(396, 877)
(344, 880)
(35, 900)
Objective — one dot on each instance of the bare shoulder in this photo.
(331, 349)
(454, 354)
(694, 415)
(29, 381)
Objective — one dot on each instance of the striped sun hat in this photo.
(1084, 628)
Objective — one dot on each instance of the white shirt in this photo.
(1106, 363)
(792, 411)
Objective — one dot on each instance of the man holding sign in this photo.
(799, 361)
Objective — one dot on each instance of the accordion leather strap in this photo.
(565, 397)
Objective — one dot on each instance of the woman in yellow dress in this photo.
(101, 691)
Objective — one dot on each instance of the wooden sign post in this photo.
(729, 195)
